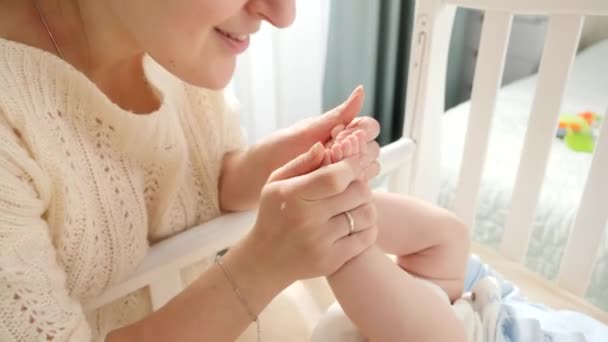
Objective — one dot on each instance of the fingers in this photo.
(350, 246)
(327, 181)
(336, 119)
(356, 194)
(303, 164)
(364, 217)
(348, 110)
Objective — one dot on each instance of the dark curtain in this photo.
(368, 44)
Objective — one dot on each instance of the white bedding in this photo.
(565, 177)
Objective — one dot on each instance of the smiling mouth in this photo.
(237, 37)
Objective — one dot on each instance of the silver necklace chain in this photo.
(46, 26)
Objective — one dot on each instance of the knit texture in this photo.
(86, 187)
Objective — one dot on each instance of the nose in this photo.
(280, 13)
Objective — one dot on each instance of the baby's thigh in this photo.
(409, 226)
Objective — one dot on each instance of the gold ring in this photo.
(351, 223)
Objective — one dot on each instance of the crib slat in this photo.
(590, 223)
(164, 288)
(558, 54)
(488, 76)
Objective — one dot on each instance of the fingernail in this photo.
(358, 89)
(336, 130)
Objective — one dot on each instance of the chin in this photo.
(213, 82)
(215, 76)
(217, 83)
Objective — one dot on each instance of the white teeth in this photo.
(239, 37)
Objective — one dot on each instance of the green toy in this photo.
(576, 130)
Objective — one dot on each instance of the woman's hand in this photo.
(340, 121)
(301, 230)
(244, 173)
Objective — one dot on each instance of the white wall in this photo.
(279, 79)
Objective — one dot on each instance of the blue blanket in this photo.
(519, 320)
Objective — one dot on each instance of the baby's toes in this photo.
(354, 142)
(347, 148)
(343, 135)
(336, 151)
(361, 135)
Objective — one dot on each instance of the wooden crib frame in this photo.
(412, 163)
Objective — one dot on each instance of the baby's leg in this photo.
(385, 302)
(430, 242)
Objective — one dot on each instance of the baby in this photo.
(394, 302)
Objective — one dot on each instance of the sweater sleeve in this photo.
(35, 304)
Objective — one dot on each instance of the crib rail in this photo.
(429, 47)
(580, 7)
(160, 269)
(395, 162)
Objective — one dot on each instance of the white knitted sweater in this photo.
(86, 187)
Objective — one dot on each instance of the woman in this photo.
(86, 182)
(109, 142)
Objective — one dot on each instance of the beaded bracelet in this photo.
(239, 295)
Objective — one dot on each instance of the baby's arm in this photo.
(385, 302)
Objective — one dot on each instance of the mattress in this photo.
(564, 181)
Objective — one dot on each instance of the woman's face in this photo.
(199, 40)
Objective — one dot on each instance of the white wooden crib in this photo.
(412, 163)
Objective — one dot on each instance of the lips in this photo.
(239, 37)
(235, 42)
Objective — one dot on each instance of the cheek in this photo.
(197, 58)
(182, 39)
